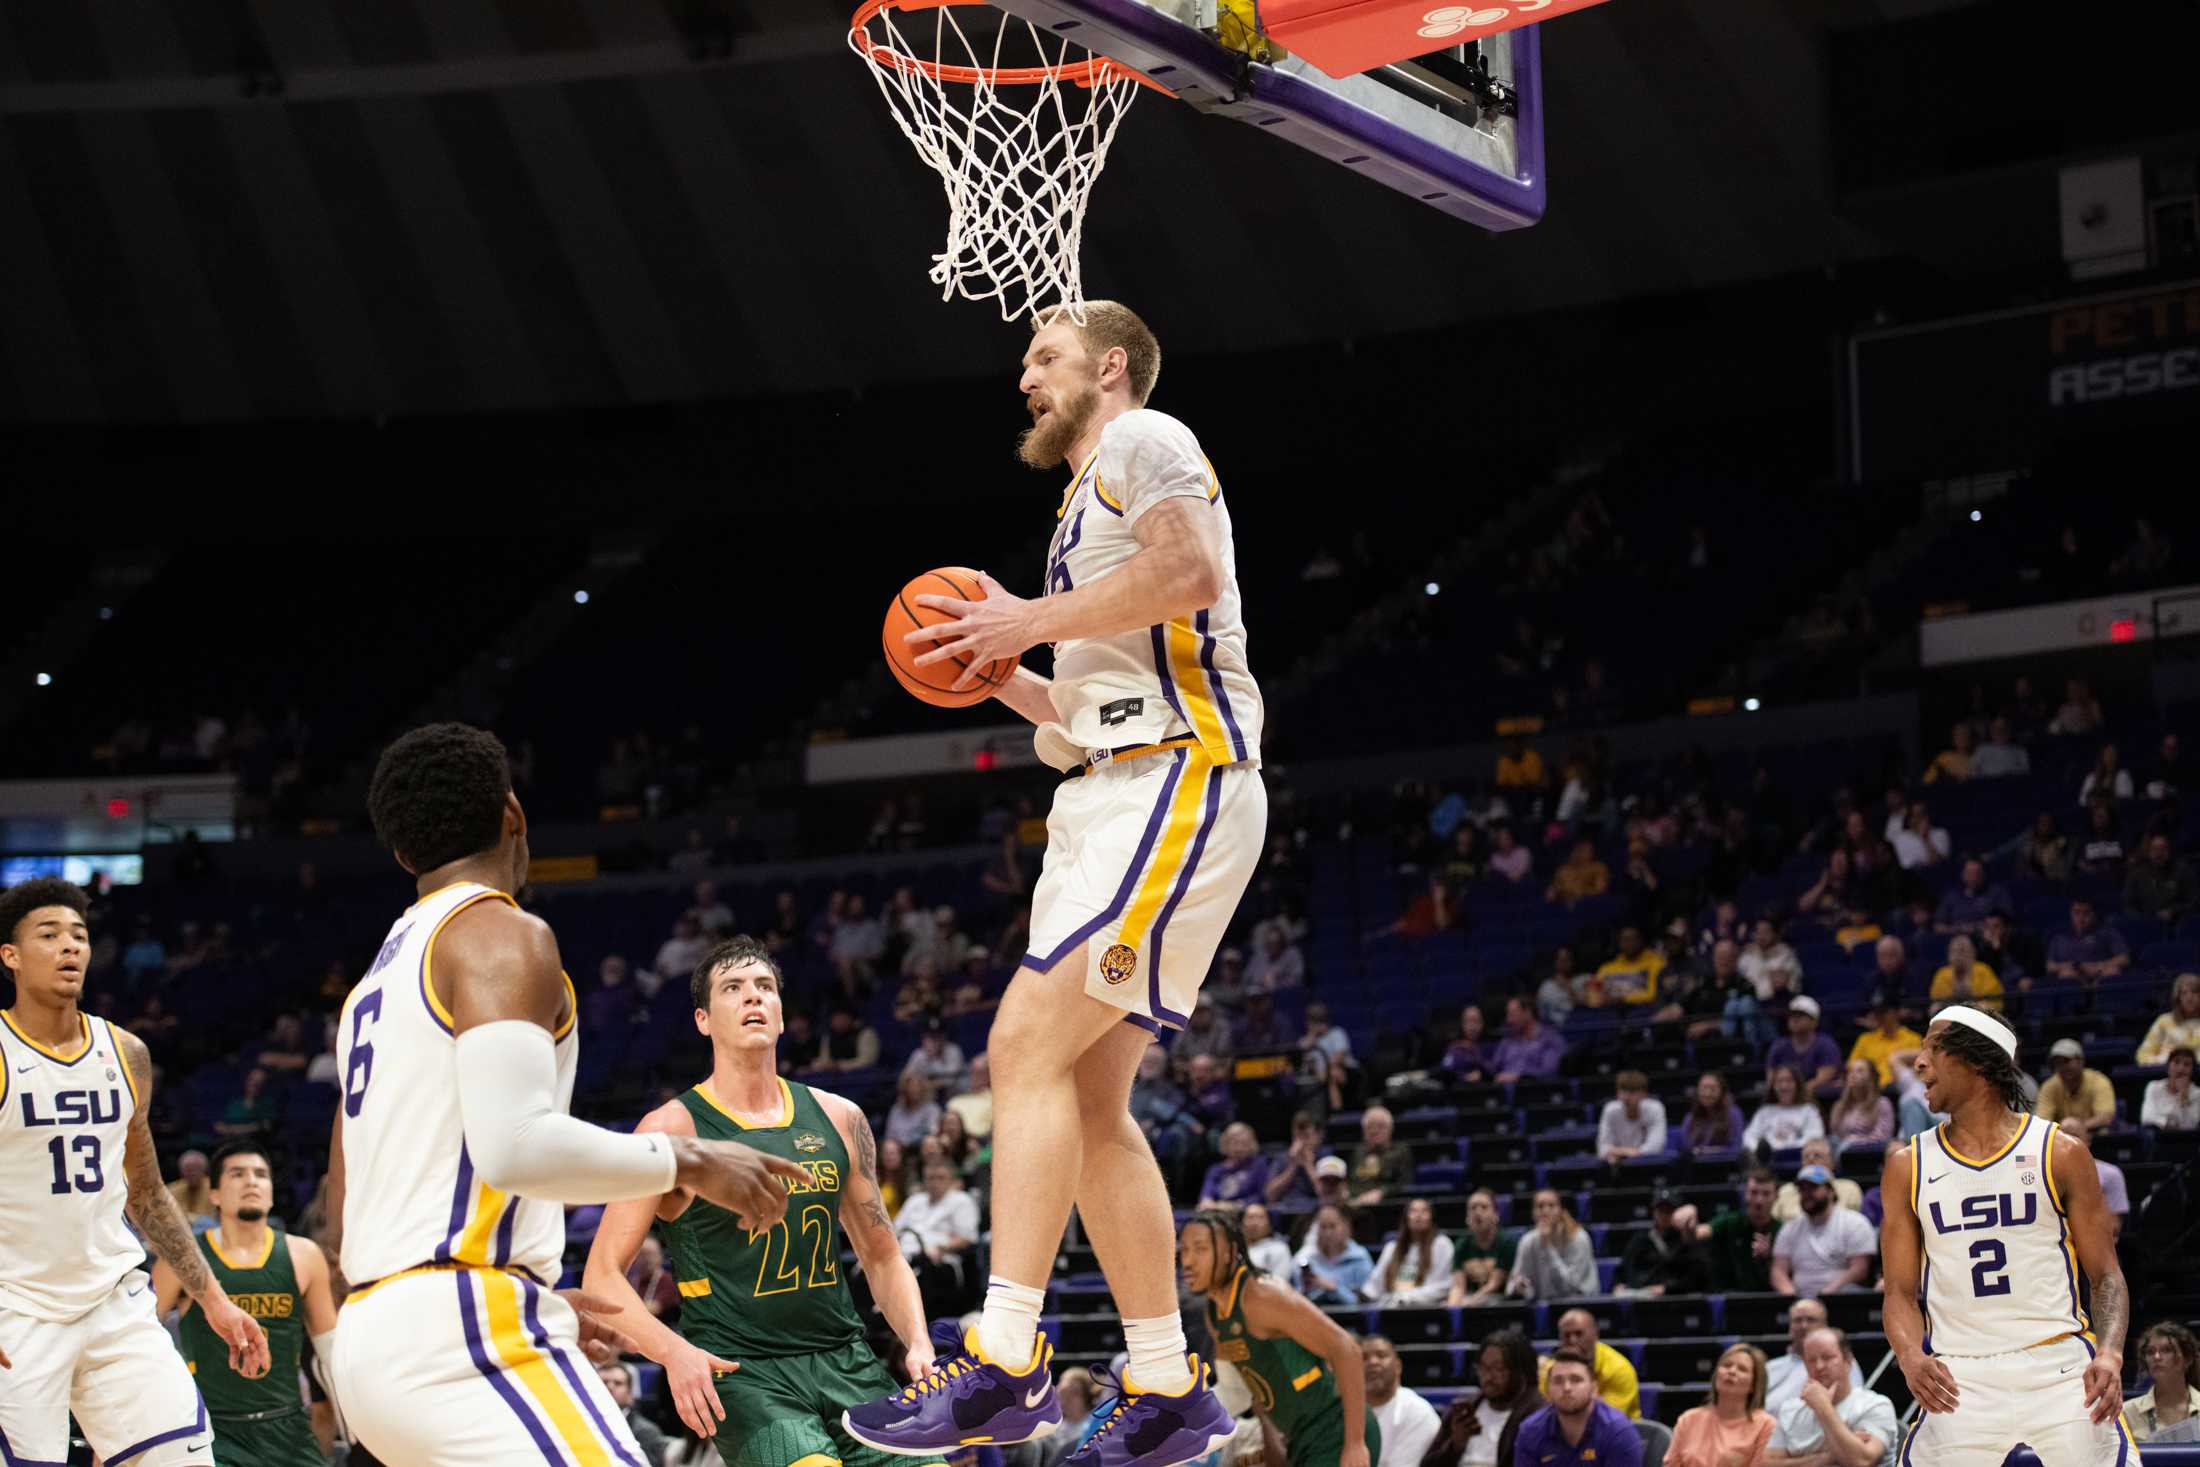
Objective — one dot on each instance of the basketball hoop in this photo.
(1015, 151)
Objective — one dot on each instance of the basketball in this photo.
(935, 683)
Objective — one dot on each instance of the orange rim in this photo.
(1095, 69)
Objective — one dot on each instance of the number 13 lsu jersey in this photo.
(1186, 676)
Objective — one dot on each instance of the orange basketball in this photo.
(933, 682)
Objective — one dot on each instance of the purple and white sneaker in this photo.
(966, 1400)
(1141, 1428)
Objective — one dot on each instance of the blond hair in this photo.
(1758, 1369)
(1108, 325)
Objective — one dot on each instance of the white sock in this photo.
(1156, 1349)
(1008, 1330)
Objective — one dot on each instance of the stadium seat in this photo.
(1418, 1326)
(1656, 1435)
(1679, 1361)
(1756, 1314)
(1675, 1314)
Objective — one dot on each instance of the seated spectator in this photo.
(2179, 1028)
(1724, 1001)
(1579, 877)
(938, 1226)
(1404, 1420)
(1811, 1054)
(1471, 1056)
(1382, 1165)
(1638, 883)
(784, 934)
(1204, 1033)
(1556, 995)
(1789, 1116)
(2045, 851)
(144, 957)
(897, 1175)
(1242, 1174)
(652, 1280)
(1631, 975)
(1920, 844)
(154, 1024)
(848, 1042)
(1163, 1113)
(1829, 897)
(1733, 1427)
(1292, 1180)
(2106, 780)
(1827, 1249)
(1426, 915)
(1519, 767)
(322, 1070)
(1889, 1042)
(1769, 963)
(1786, 1376)
(857, 946)
(915, 1115)
(1738, 1242)
(1325, 1050)
(2000, 756)
(1576, 1425)
(2160, 886)
(1665, 1257)
(2012, 955)
(1860, 1115)
(2171, 1356)
(252, 1113)
(612, 1001)
(1528, 1048)
(1414, 1269)
(2076, 1097)
(1633, 1124)
(1332, 1266)
(1510, 861)
(1964, 979)
(947, 945)
(2115, 1193)
(193, 1192)
(1482, 1429)
(1861, 1421)
(1207, 1086)
(2168, 775)
(1714, 1121)
(1275, 963)
(1912, 1115)
(1260, 1029)
(715, 917)
(1263, 1248)
(1616, 1383)
(971, 1156)
(1482, 1256)
(1555, 1259)
(1964, 907)
(974, 1102)
(1959, 761)
(2080, 711)
(679, 954)
(1817, 1151)
(939, 1059)
(2101, 851)
(2090, 951)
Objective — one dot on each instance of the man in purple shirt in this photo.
(1815, 1057)
(1242, 1174)
(1965, 905)
(1575, 1429)
(2088, 952)
(1528, 1048)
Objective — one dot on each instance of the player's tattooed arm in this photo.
(151, 1206)
(867, 1166)
(2111, 1311)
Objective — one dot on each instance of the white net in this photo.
(1017, 147)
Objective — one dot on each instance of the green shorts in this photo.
(1321, 1443)
(277, 1441)
(786, 1412)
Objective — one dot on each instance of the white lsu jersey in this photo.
(64, 1121)
(1187, 677)
(2000, 1272)
(410, 1194)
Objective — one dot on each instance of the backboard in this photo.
(1459, 128)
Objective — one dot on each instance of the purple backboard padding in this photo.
(1216, 79)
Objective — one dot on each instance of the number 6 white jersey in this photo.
(64, 1119)
(410, 1194)
(2000, 1271)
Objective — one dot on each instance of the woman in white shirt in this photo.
(1767, 956)
(1264, 1250)
(1414, 1269)
(2171, 1102)
(1788, 1118)
(1555, 1260)
(2107, 778)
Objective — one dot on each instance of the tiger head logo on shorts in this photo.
(1118, 963)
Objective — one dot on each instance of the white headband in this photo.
(1975, 1019)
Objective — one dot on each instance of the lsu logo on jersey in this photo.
(76, 1108)
(1994, 1210)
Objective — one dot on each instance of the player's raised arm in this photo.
(871, 1233)
(1272, 1309)
(1900, 1248)
(507, 993)
(168, 1233)
(2071, 1171)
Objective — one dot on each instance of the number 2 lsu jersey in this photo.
(410, 1193)
(2001, 1272)
(1187, 676)
(64, 1118)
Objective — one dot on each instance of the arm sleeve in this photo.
(1146, 457)
(521, 1142)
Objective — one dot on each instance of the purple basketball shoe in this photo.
(965, 1401)
(1148, 1429)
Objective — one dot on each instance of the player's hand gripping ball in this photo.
(948, 637)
